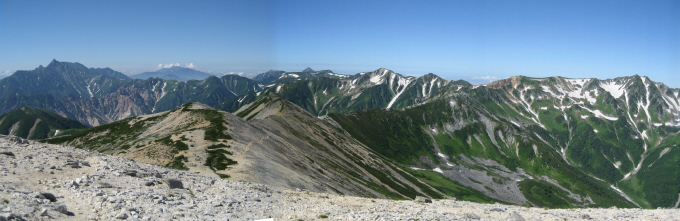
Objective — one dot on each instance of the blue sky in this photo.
(471, 40)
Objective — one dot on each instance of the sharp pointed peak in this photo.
(53, 62)
(382, 71)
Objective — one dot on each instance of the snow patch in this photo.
(57, 131)
(544, 108)
(352, 84)
(355, 96)
(595, 130)
(614, 89)
(154, 86)
(378, 79)
(599, 114)
(402, 83)
(438, 170)
(89, 91)
(584, 117)
(664, 151)
(416, 168)
(527, 106)
(441, 155)
(163, 90)
(338, 75)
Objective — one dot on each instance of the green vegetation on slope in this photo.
(403, 136)
(34, 123)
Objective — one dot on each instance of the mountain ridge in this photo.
(608, 141)
(273, 146)
(173, 73)
(34, 123)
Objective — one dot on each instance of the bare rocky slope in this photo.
(281, 145)
(51, 182)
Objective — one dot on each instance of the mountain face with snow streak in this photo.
(94, 96)
(590, 138)
(554, 142)
(58, 79)
(381, 88)
(277, 77)
(623, 131)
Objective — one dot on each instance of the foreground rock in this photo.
(40, 183)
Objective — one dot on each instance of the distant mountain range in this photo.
(550, 142)
(98, 96)
(275, 77)
(174, 73)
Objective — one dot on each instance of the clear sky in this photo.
(472, 40)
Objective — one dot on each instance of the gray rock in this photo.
(44, 212)
(49, 196)
(10, 216)
(497, 210)
(122, 215)
(149, 183)
(113, 199)
(104, 185)
(61, 208)
(174, 184)
(7, 153)
(421, 199)
(514, 217)
(471, 216)
(131, 173)
(585, 216)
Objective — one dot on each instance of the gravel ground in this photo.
(49, 182)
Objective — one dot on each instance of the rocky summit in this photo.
(51, 182)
